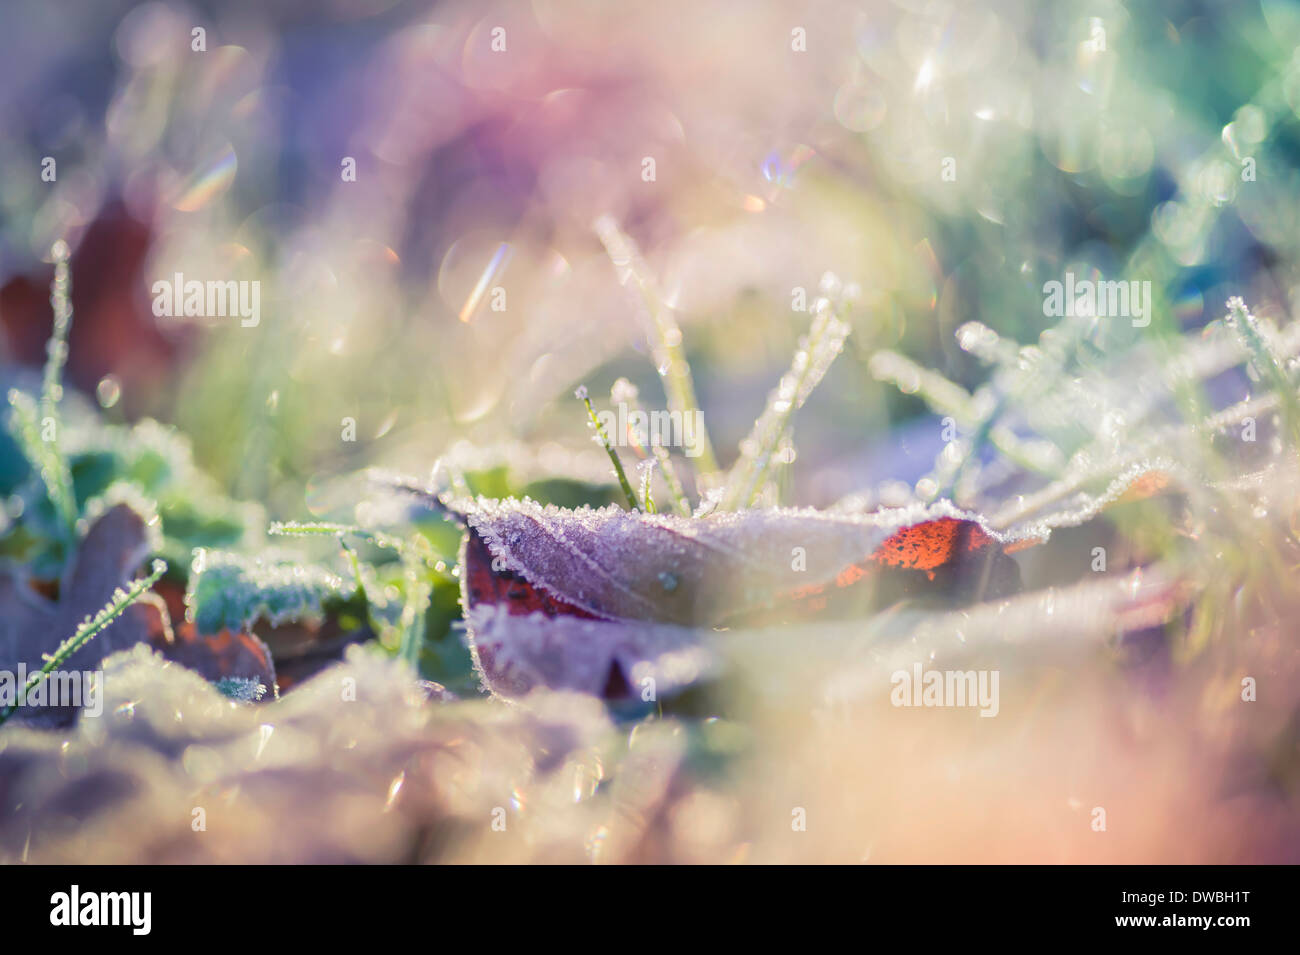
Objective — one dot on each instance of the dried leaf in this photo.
(599, 600)
(228, 655)
(32, 625)
(615, 564)
(611, 659)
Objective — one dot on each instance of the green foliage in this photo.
(397, 605)
(624, 392)
(605, 443)
(159, 461)
(813, 358)
(60, 469)
(228, 590)
(332, 529)
(42, 452)
(647, 489)
(1266, 363)
(563, 492)
(153, 461)
(662, 330)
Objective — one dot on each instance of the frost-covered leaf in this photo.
(240, 689)
(231, 591)
(610, 659)
(32, 625)
(159, 462)
(599, 600)
(149, 465)
(225, 655)
(615, 564)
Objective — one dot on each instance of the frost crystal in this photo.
(231, 591)
(612, 563)
(240, 689)
(824, 341)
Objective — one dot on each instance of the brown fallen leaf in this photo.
(612, 659)
(33, 625)
(220, 656)
(619, 565)
(603, 601)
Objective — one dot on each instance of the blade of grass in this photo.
(603, 436)
(816, 351)
(419, 591)
(1267, 363)
(663, 332)
(89, 629)
(647, 495)
(52, 380)
(39, 427)
(626, 392)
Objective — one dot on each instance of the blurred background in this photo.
(455, 289)
(416, 186)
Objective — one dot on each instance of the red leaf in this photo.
(482, 584)
(535, 568)
(221, 655)
(932, 544)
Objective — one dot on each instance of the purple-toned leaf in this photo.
(617, 564)
(612, 659)
(32, 625)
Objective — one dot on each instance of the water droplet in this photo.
(108, 391)
(668, 581)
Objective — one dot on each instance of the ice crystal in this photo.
(662, 330)
(612, 563)
(817, 350)
(91, 627)
(240, 689)
(232, 591)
